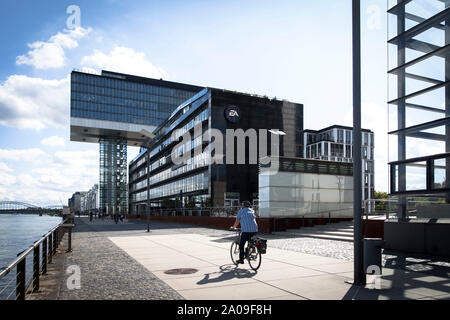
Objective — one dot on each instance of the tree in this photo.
(380, 205)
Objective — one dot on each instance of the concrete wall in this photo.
(290, 194)
(434, 211)
(422, 236)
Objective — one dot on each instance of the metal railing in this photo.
(203, 211)
(389, 207)
(42, 252)
(232, 211)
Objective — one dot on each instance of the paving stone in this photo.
(109, 273)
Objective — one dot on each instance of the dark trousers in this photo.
(245, 236)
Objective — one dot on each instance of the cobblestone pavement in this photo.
(107, 272)
(320, 247)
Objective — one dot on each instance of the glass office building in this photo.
(155, 181)
(419, 105)
(335, 143)
(112, 109)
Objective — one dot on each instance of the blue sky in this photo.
(295, 50)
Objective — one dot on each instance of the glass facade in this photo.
(419, 101)
(113, 176)
(198, 181)
(99, 100)
(111, 99)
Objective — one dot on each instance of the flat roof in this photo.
(336, 126)
(143, 80)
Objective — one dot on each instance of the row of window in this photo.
(195, 162)
(140, 196)
(104, 82)
(138, 163)
(188, 146)
(122, 98)
(202, 116)
(139, 185)
(147, 111)
(338, 135)
(327, 149)
(189, 184)
(117, 117)
(139, 174)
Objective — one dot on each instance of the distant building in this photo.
(75, 202)
(90, 202)
(335, 143)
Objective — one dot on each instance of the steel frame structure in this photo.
(418, 24)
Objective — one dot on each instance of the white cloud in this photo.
(4, 167)
(22, 154)
(34, 103)
(7, 179)
(123, 60)
(51, 54)
(54, 141)
(52, 181)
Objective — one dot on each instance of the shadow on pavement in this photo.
(410, 278)
(227, 272)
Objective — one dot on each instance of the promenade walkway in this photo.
(125, 262)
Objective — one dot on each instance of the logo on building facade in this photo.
(233, 114)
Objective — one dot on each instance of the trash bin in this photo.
(372, 254)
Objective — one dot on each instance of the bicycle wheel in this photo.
(254, 257)
(234, 252)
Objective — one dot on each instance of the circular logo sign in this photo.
(233, 114)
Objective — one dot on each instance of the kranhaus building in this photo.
(115, 110)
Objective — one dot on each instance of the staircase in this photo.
(342, 231)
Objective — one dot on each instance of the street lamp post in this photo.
(359, 274)
(150, 136)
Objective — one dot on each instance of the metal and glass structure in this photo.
(419, 101)
(113, 109)
(156, 182)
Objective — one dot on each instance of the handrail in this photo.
(22, 255)
(50, 242)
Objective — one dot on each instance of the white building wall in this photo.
(289, 194)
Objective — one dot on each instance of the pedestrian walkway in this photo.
(175, 262)
(108, 273)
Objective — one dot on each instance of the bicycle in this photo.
(251, 252)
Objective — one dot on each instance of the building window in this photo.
(340, 136)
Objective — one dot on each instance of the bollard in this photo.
(70, 241)
(372, 253)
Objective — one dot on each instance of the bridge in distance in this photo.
(17, 207)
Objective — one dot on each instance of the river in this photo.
(19, 232)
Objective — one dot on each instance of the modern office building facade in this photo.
(112, 109)
(419, 103)
(90, 201)
(155, 181)
(335, 143)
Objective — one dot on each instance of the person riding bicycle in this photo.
(249, 227)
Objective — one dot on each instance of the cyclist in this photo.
(249, 227)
